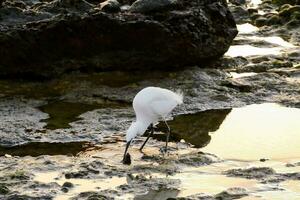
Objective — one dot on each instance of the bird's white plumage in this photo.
(150, 105)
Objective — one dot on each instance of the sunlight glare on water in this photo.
(255, 3)
(258, 131)
(192, 183)
(248, 50)
(246, 28)
(273, 40)
(240, 75)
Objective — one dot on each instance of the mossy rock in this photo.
(296, 15)
(274, 20)
(267, 1)
(19, 174)
(285, 13)
(281, 2)
(284, 6)
(294, 23)
(252, 11)
(282, 64)
(261, 21)
(289, 11)
(255, 16)
(294, 9)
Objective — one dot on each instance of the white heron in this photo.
(150, 105)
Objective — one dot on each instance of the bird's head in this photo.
(132, 131)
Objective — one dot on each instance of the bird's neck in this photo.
(142, 125)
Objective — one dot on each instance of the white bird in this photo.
(150, 105)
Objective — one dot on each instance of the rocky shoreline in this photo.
(63, 138)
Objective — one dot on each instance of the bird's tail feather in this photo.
(179, 95)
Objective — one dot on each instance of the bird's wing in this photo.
(162, 107)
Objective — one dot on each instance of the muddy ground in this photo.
(64, 138)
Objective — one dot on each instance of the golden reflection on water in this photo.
(293, 186)
(258, 131)
(248, 133)
(80, 185)
(275, 195)
(193, 183)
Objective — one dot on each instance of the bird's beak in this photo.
(126, 158)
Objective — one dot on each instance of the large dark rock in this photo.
(55, 37)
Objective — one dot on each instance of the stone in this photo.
(237, 2)
(144, 6)
(231, 193)
(3, 189)
(238, 85)
(251, 173)
(287, 12)
(68, 185)
(110, 6)
(281, 2)
(65, 189)
(65, 36)
(275, 19)
(240, 13)
(261, 21)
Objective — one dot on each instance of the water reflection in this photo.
(194, 128)
(248, 133)
(246, 28)
(80, 185)
(240, 75)
(61, 113)
(258, 131)
(195, 183)
(45, 148)
(248, 50)
(272, 40)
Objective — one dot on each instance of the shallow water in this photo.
(271, 45)
(194, 128)
(246, 28)
(258, 131)
(249, 133)
(249, 50)
(62, 113)
(81, 185)
(240, 136)
(193, 183)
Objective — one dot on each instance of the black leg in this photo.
(149, 135)
(126, 149)
(168, 136)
